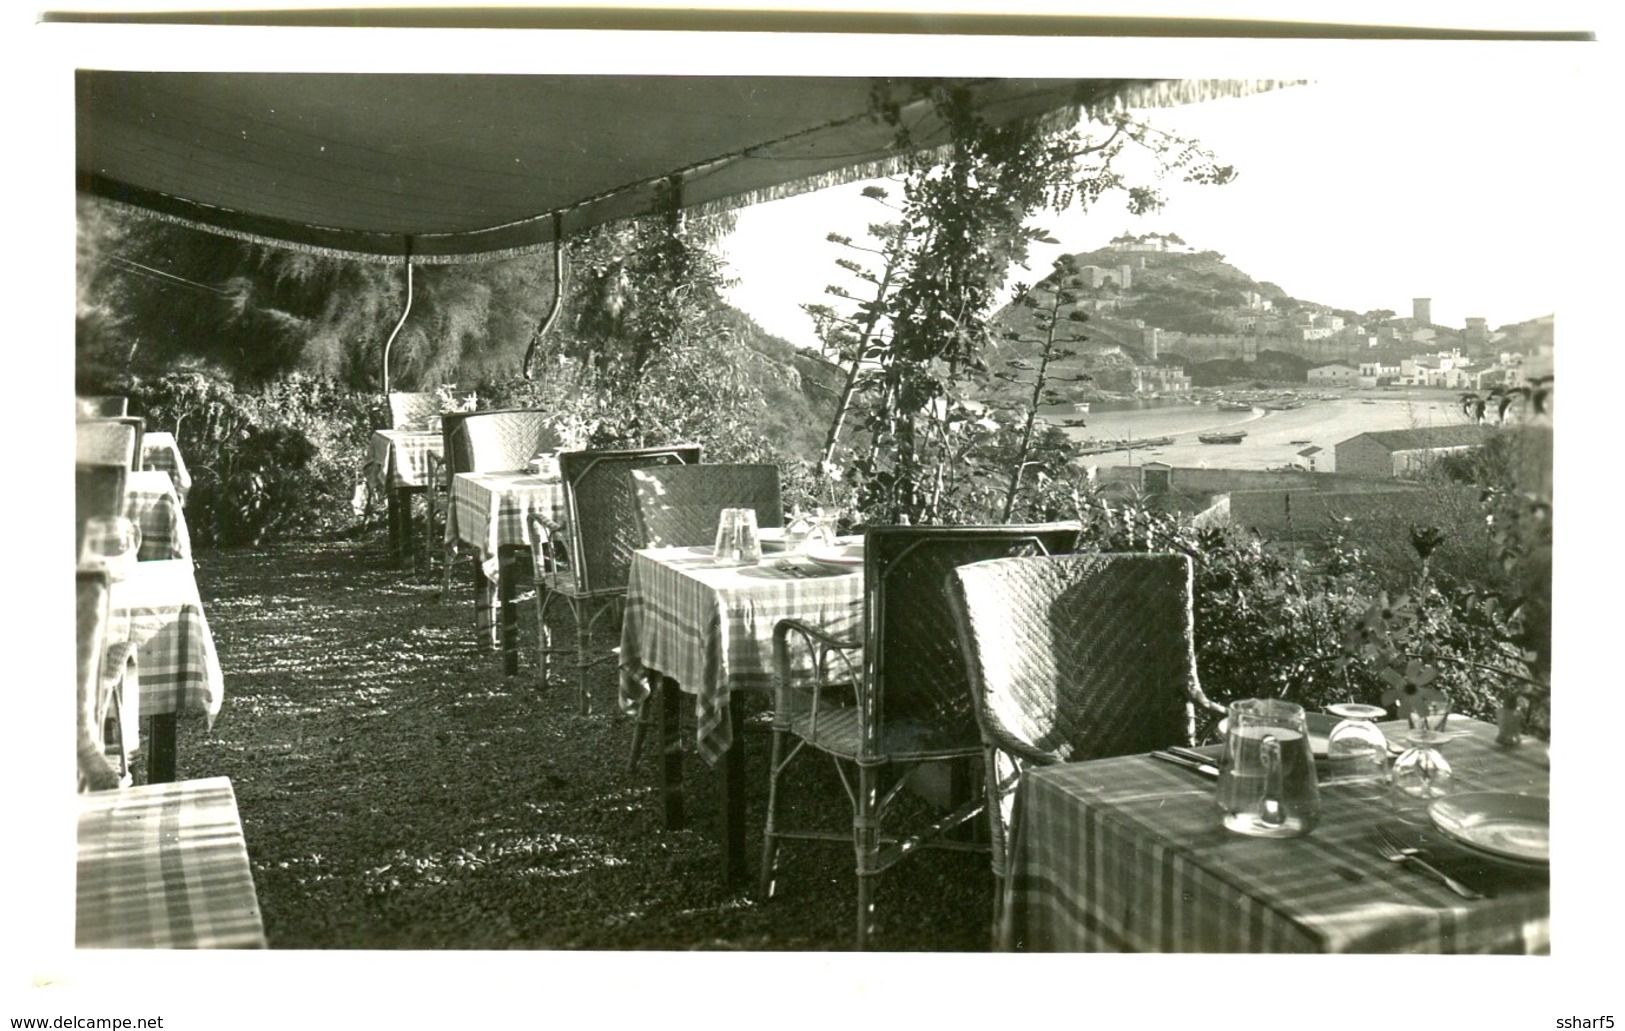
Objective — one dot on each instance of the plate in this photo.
(1497, 822)
(1320, 725)
(847, 558)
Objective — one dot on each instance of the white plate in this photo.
(1503, 824)
(845, 557)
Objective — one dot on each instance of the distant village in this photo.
(1376, 350)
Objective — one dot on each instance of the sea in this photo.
(1275, 439)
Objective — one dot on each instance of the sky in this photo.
(1359, 191)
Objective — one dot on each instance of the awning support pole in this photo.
(404, 313)
(546, 325)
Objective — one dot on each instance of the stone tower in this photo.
(1422, 310)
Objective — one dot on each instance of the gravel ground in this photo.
(398, 792)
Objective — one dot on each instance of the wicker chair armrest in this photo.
(543, 542)
(802, 694)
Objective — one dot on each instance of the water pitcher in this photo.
(1267, 783)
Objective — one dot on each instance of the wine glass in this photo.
(1421, 774)
(1356, 749)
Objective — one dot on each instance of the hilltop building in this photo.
(1422, 310)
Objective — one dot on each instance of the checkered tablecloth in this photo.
(1128, 854)
(151, 503)
(403, 455)
(160, 452)
(165, 866)
(710, 628)
(489, 510)
(157, 610)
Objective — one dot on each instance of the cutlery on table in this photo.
(1204, 767)
(1396, 851)
(1193, 755)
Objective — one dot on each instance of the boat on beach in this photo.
(1235, 406)
(1233, 437)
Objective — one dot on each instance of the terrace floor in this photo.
(397, 791)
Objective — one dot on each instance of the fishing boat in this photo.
(1233, 437)
(1235, 406)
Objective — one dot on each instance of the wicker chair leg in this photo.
(583, 643)
(544, 635)
(866, 843)
(640, 732)
(770, 841)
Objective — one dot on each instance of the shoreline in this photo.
(1168, 433)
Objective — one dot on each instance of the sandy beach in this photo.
(1274, 438)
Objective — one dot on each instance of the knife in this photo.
(1206, 769)
(1193, 755)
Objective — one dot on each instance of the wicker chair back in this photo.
(1079, 657)
(457, 451)
(408, 409)
(680, 505)
(98, 490)
(917, 696)
(104, 441)
(604, 527)
(504, 440)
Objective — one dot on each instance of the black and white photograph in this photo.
(616, 514)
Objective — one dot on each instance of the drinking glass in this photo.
(738, 541)
(1421, 775)
(723, 552)
(1356, 749)
(1267, 783)
(111, 543)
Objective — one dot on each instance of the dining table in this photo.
(164, 866)
(402, 458)
(695, 629)
(491, 513)
(153, 504)
(1128, 854)
(156, 611)
(160, 452)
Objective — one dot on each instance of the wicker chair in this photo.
(117, 440)
(907, 706)
(98, 492)
(95, 774)
(680, 505)
(455, 457)
(1075, 657)
(109, 406)
(603, 533)
(412, 410)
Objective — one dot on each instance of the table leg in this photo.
(732, 797)
(161, 752)
(393, 504)
(507, 575)
(668, 699)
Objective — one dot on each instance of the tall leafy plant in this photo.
(963, 226)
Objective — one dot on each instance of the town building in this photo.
(1336, 374)
(1388, 454)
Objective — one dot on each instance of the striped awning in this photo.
(450, 166)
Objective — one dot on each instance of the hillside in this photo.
(1195, 311)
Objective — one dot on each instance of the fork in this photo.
(1395, 851)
